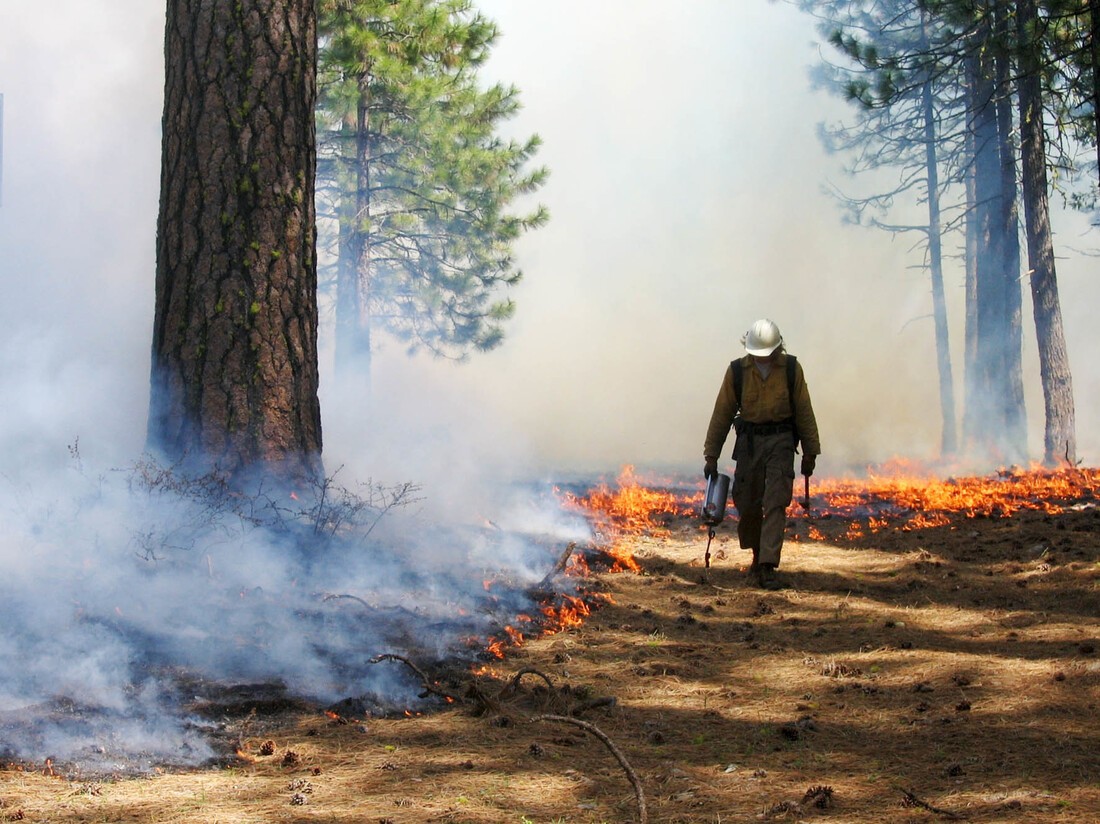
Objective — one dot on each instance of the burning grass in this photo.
(918, 674)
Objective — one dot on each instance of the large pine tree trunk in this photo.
(1059, 432)
(234, 372)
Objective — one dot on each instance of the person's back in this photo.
(765, 399)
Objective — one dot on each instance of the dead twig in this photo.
(911, 800)
(594, 703)
(335, 596)
(513, 685)
(559, 567)
(486, 704)
(245, 729)
(1071, 463)
(428, 685)
(783, 808)
(639, 795)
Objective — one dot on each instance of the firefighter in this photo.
(765, 399)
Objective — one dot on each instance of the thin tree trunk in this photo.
(353, 341)
(987, 404)
(970, 423)
(948, 436)
(1059, 431)
(1014, 440)
(234, 368)
(363, 229)
(347, 281)
(1094, 32)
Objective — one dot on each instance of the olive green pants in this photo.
(763, 484)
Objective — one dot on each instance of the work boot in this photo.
(767, 578)
(755, 565)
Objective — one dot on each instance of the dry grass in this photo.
(957, 664)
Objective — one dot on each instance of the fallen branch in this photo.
(336, 596)
(559, 567)
(1071, 463)
(639, 795)
(428, 685)
(594, 703)
(514, 684)
(911, 800)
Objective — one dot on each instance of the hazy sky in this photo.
(685, 199)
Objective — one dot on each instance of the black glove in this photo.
(710, 467)
(808, 463)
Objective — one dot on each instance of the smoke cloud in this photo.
(685, 199)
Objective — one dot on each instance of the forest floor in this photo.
(937, 674)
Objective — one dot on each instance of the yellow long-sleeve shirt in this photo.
(764, 400)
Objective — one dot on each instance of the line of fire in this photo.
(900, 495)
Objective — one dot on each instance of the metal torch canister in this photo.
(714, 502)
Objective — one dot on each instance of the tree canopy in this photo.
(417, 187)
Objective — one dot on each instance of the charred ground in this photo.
(908, 674)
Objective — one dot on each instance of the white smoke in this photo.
(116, 594)
(685, 202)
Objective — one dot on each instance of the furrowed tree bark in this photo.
(1059, 431)
(234, 357)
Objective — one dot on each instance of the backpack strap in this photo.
(790, 395)
(790, 381)
(738, 380)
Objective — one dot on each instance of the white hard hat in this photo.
(762, 339)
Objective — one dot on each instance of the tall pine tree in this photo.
(417, 179)
(905, 120)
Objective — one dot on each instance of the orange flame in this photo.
(900, 495)
(571, 614)
(904, 495)
(632, 509)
